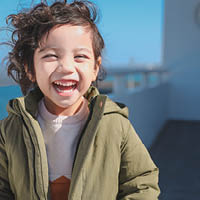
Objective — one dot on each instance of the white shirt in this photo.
(61, 135)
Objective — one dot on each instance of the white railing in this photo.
(123, 79)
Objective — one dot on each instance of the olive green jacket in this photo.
(110, 163)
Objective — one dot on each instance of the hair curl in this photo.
(28, 27)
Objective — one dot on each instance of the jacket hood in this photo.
(29, 103)
(115, 107)
(109, 106)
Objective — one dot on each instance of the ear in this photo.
(96, 68)
(29, 74)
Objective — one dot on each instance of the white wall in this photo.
(148, 110)
(181, 55)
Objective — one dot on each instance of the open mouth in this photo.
(65, 86)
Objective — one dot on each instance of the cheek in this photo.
(43, 71)
(95, 73)
(87, 73)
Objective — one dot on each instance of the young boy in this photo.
(63, 140)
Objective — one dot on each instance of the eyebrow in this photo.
(83, 49)
(48, 48)
(57, 48)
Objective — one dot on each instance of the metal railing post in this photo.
(119, 84)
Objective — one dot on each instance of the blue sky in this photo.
(132, 29)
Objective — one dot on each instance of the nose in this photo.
(66, 65)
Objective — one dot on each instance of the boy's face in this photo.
(65, 67)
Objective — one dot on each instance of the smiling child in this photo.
(62, 139)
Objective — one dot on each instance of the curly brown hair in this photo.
(28, 27)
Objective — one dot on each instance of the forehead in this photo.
(67, 34)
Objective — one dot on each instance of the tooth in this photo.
(65, 84)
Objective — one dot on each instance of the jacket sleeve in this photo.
(5, 191)
(138, 178)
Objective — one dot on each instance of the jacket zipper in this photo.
(37, 146)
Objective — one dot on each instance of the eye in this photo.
(50, 56)
(81, 58)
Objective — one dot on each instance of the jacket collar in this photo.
(29, 103)
(32, 99)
